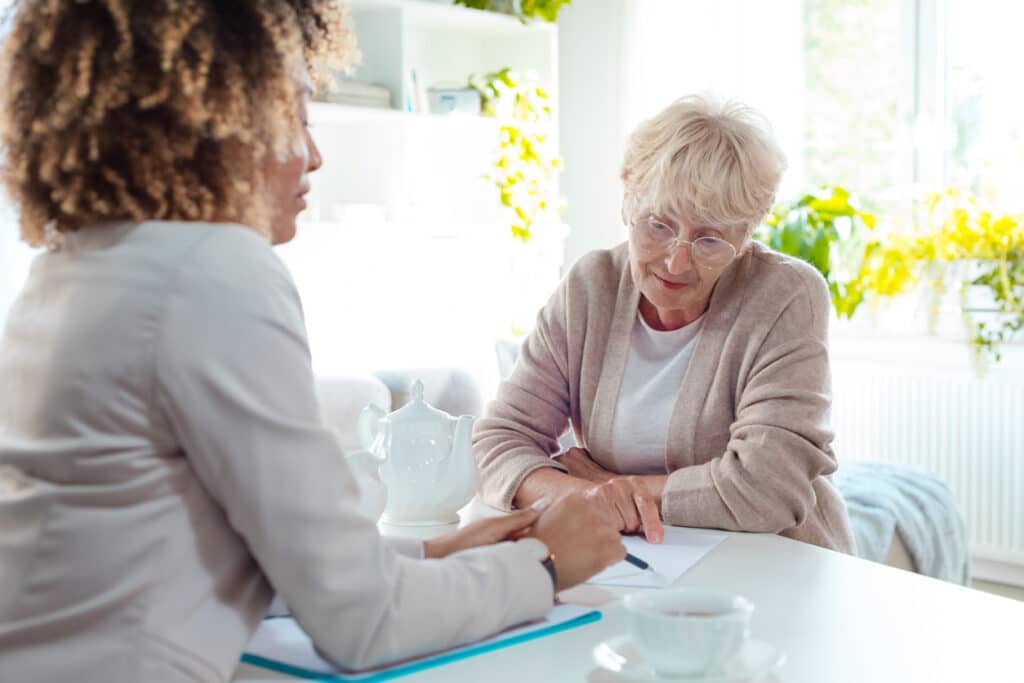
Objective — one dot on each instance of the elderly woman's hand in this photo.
(582, 466)
(628, 499)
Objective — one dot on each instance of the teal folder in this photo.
(428, 662)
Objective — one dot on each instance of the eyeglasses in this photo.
(654, 236)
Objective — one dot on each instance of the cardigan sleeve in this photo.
(235, 383)
(780, 440)
(519, 431)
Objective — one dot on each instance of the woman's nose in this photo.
(315, 160)
(679, 257)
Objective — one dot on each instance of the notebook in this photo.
(280, 645)
(681, 550)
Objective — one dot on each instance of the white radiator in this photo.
(905, 402)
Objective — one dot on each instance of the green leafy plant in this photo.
(546, 10)
(957, 243)
(527, 165)
(827, 230)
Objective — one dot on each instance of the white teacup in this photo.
(688, 631)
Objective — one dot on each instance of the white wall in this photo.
(591, 122)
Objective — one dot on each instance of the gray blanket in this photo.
(885, 499)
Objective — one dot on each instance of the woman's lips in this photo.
(668, 284)
(304, 188)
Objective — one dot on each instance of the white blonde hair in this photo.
(711, 162)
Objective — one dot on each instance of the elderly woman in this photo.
(691, 362)
(163, 459)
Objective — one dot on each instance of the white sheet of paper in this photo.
(283, 641)
(682, 549)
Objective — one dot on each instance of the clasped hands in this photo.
(634, 499)
(581, 539)
(581, 527)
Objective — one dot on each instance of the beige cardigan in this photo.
(749, 446)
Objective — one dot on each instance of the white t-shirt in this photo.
(654, 372)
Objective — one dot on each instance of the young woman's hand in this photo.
(484, 532)
(581, 537)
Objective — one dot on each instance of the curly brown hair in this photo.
(153, 109)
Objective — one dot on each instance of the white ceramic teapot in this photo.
(425, 460)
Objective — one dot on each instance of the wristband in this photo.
(549, 564)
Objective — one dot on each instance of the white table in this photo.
(838, 618)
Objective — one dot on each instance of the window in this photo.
(858, 99)
(914, 93)
(984, 149)
(880, 96)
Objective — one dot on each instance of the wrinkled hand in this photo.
(582, 538)
(624, 500)
(481, 533)
(582, 466)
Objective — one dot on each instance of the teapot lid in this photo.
(418, 410)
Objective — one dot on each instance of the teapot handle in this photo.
(372, 491)
(368, 425)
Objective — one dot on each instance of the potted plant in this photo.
(964, 246)
(525, 170)
(546, 10)
(828, 230)
(524, 174)
(957, 245)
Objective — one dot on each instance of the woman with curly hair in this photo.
(164, 466)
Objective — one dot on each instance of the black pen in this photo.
(636, 561)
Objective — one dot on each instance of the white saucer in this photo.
(422, 532)
(755, 660)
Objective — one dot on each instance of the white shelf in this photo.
(427, 14)
(329, 114)
(395, 159)
(434, 43)
(402, 192)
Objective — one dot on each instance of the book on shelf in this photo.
(416, 101)
(357, 94)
